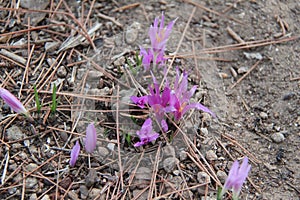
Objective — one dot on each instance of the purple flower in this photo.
(180, 97)
(159, 102)
(164, 125)
(139, 101)
(13, 102)
(91, 138)
(146, 134)
(159, 35)
(74, 154)
(236, 177)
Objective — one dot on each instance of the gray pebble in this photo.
(168, 151)
(51, 46)
(91, 178)
(84, 191)
(30, 167)
(132, 32)
(204, 131)
(211, 155)
(94, 193)
(62, 72)
(263, 115)
(203, 177)
(31, 182)
(222, 176)
(46, 197)
(277, 137)
(95, 75)
(242, 70)
(14, 133)
(170, 163)
(103, 152)
(33, 197)
(182, 155)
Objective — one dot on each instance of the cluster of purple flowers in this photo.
(158, 36)
(175, 102)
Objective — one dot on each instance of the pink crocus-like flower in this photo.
(146, 134)
(159, 36)
(236, 177)
(13, 102)
(139, 101)
(91, 138)
(74, 154)
(180, 97)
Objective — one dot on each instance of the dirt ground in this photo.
(243, 55)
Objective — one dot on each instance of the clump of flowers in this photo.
(13, 102)
(175, 102)
(90, 144)
(158, 36)
(236, 177)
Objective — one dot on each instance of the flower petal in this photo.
(13, 102)
(91, 138)
(74, 154)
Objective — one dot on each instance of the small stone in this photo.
(31, 167)
(111, 146)
(242, 70)
(73, 195)
(132, 32)
(204, 131)
(51, 46)
(91, 178)
(263, 115)
(222, 176)
(211, 155)
(33, 197)
(103, 152)
(95, 75)
(61, 72)
(94, 193)
(277, 137)
(31, 183)
(168, 151)
(84, 191)
(176, 172)
(14, 133)
(182, 155)
(203, 177)
(257, 56)
(170, 163)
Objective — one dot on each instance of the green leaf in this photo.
(54, 102)
(219, 193)
(128, 138)
(37, 100)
